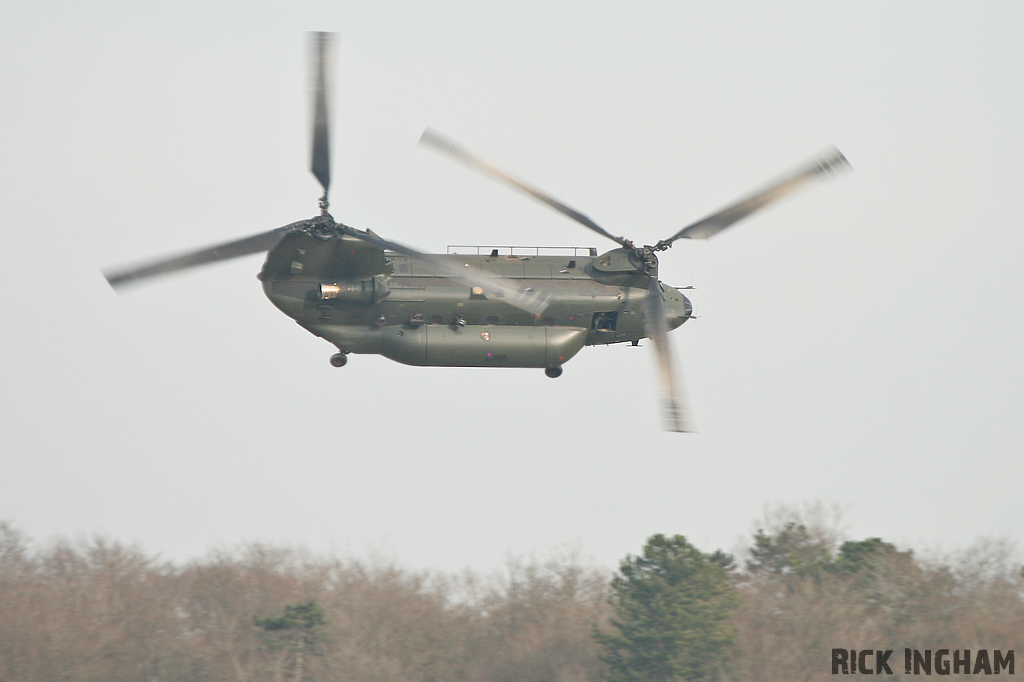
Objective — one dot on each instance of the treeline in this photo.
(804, 590)
(101, 610)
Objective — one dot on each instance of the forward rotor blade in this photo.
(434, 140)
(677, 413)
(825, 165)
(531, 301)
(321, 164)
(240, 247)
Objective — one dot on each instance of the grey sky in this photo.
(859, 343)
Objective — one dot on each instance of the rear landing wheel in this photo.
(338, 360)
(553, 372)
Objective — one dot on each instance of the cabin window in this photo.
(436, 319)
(605, 322)
(491, 319)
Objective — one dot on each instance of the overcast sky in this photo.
(858, 344)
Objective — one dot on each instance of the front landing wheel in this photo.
(338, 360)
(553, 372)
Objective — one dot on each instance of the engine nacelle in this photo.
(367, 291)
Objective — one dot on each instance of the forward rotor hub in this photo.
(645, 260)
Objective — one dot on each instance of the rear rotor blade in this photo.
(434, 140)
(240, 247)
(321, 163)
(531, 301)
(825, 165)
(677, 414)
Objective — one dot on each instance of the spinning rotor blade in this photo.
(825, 165)
(240, 247)
(677, 413)
(321, 163)
(434, 140)
(531, 301)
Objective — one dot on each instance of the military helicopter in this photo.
(495, 307)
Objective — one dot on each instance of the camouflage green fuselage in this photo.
(365, 300)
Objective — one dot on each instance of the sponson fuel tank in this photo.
(467, 346)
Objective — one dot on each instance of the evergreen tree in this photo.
(855, 557)
(793, 550)
(295, 630)
(672, 614)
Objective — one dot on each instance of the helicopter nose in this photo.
(679, 308)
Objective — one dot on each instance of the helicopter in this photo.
(531, 307)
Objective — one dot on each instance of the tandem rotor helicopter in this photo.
(495, 307)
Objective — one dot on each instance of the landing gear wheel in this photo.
(553, 372)
(338, 360)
